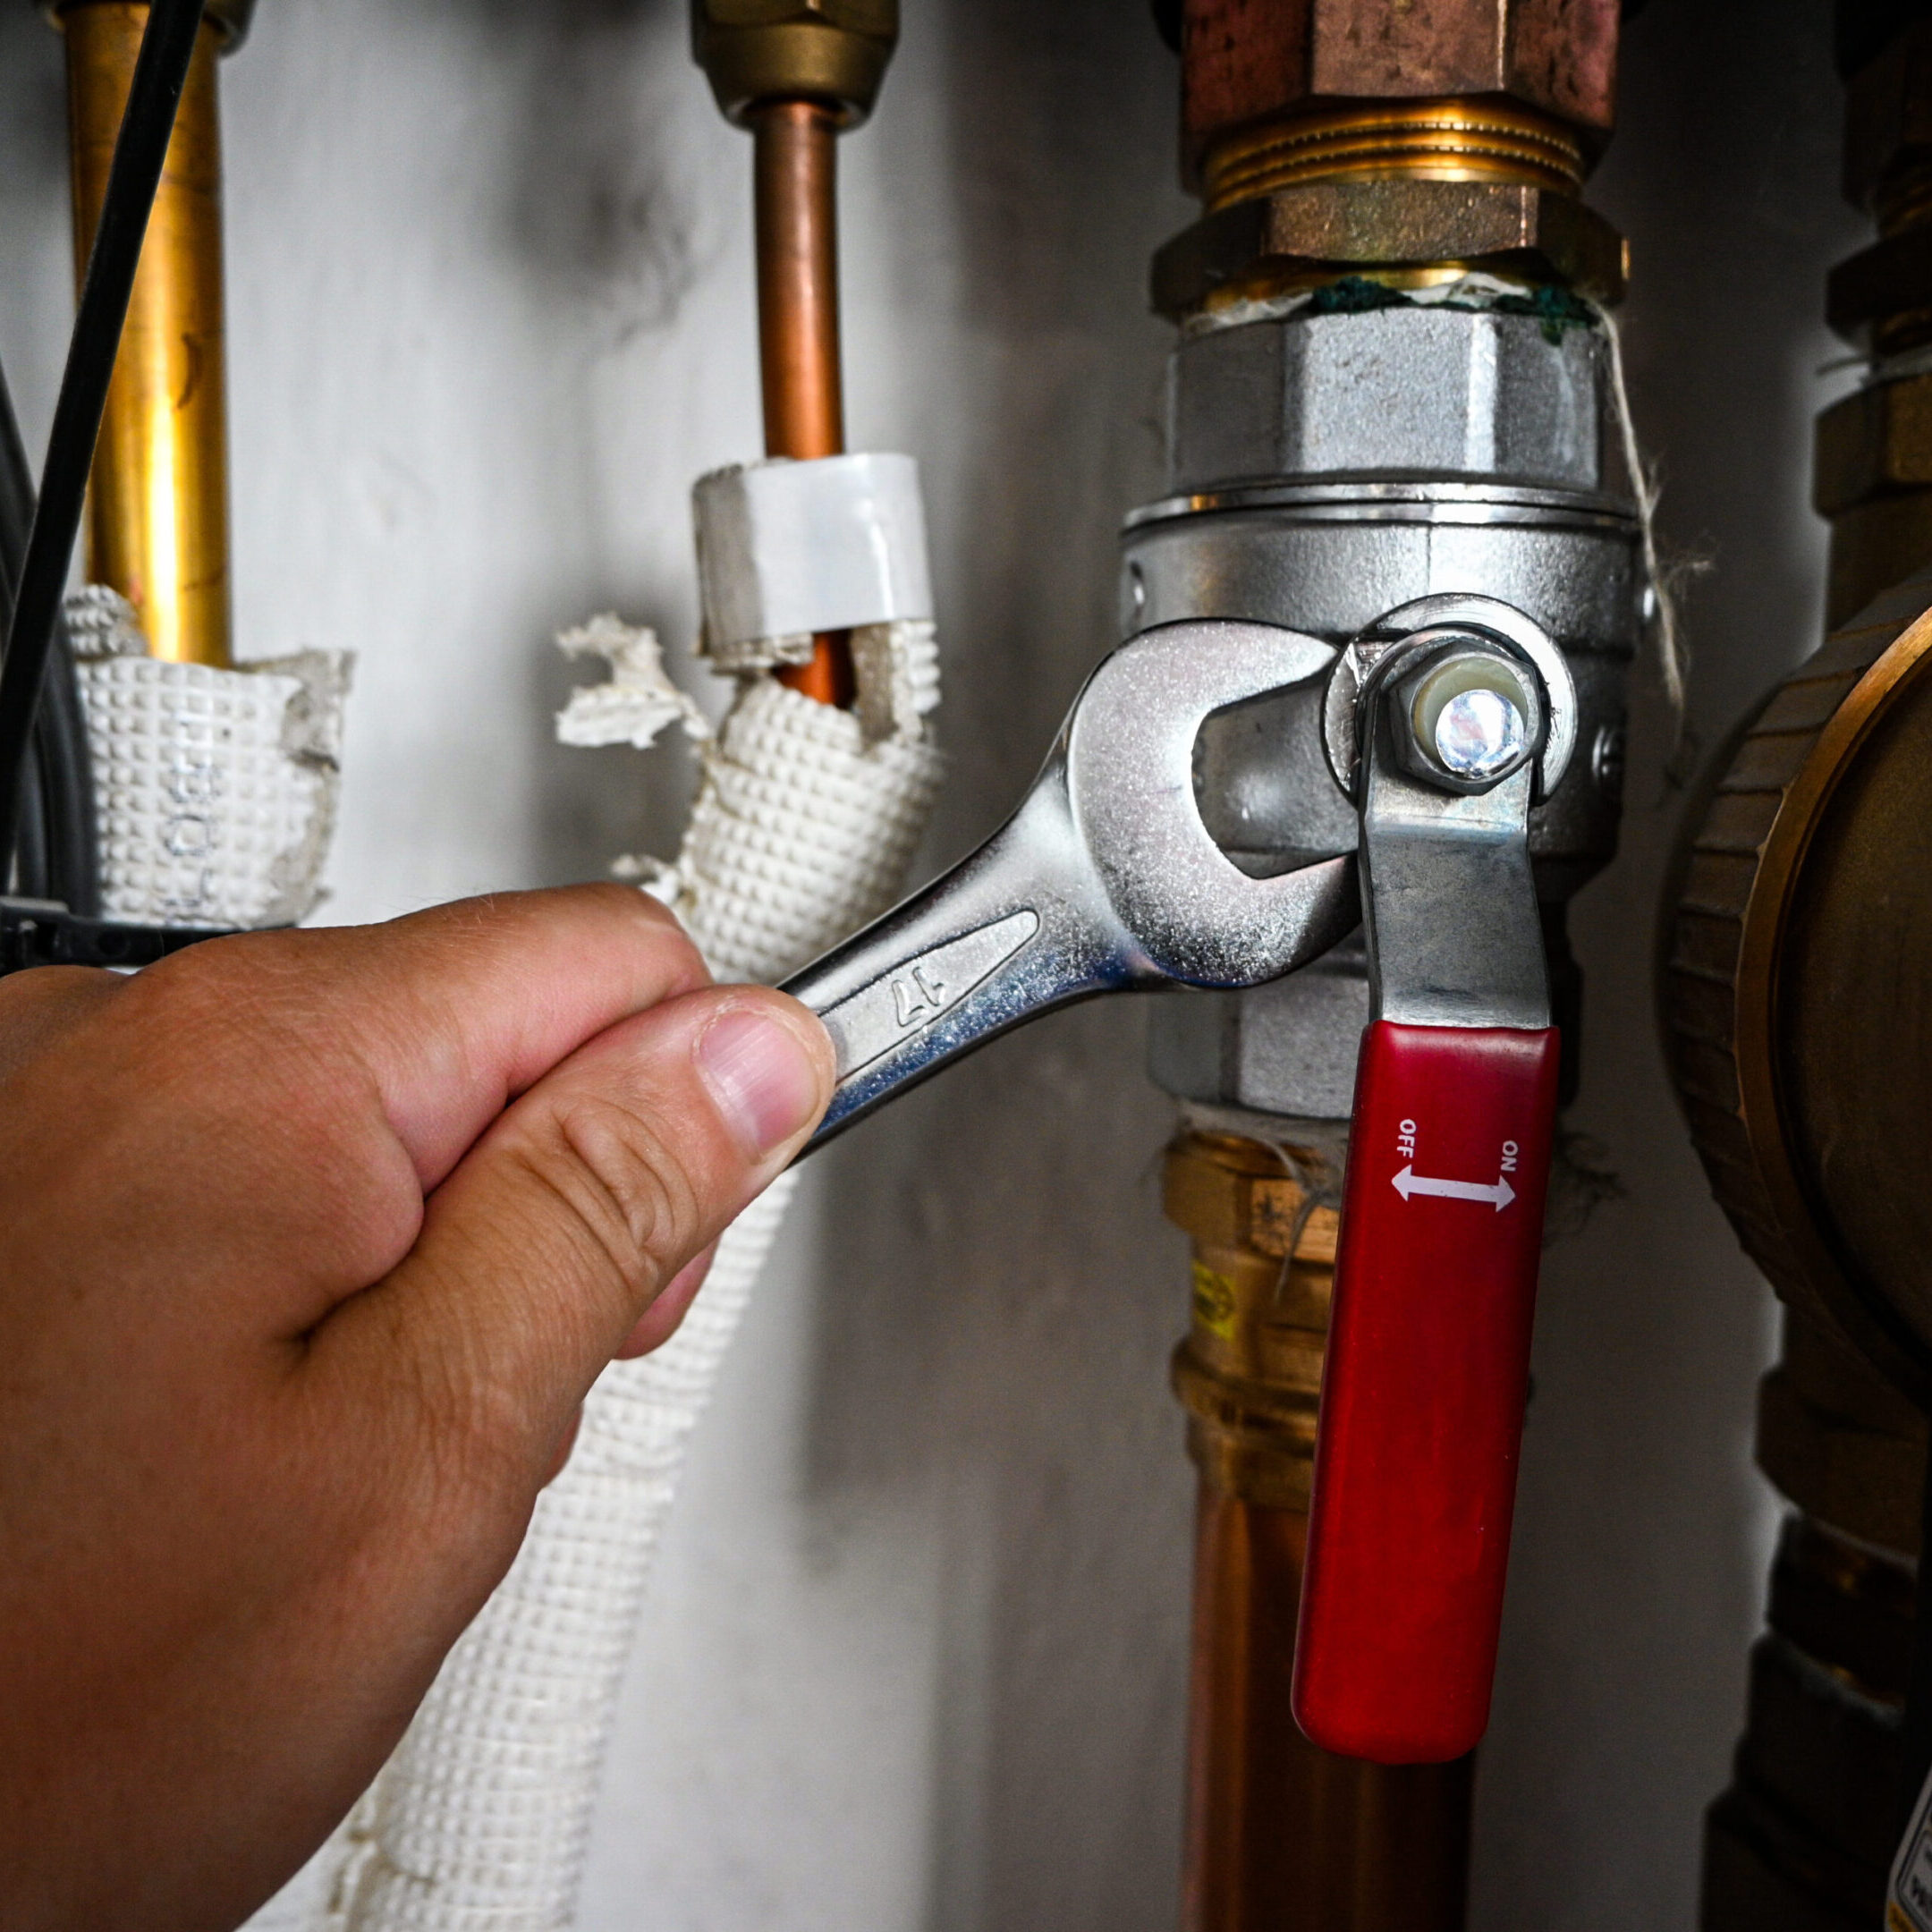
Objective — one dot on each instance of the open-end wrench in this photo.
(1106, 879)
(1447, 720)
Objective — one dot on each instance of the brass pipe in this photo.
(795, 189)
(1281, 1836)
(157, 511)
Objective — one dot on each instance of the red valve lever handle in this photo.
(1422, 1397)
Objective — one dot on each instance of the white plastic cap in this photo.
(785, 548)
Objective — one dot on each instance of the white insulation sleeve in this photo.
(216, 790)
(805, 823)
(800, 834)
(481, 1820)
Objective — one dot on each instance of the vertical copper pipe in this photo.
(157, 511)
(1281, 1836)
(795, 177)
(796, 187)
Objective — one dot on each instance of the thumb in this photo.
(555, 1233)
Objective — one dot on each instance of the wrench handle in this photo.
(1424, 1388)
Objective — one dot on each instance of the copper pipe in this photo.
(157, 511)
(795, 177)
(795, 172)
(1281, 1836)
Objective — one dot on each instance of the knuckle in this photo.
(623, 1186)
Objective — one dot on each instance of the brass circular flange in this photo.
(1795, 986)
(835, 52)
(1450, 140)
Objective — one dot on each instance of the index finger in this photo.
(451, 1012)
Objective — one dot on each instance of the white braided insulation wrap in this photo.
(215, 789)
(637, 702)
(800, 833)
(803, 829)
(483, 1816)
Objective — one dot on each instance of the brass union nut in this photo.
(1245, 62)
(1840, 1442)
(1329, 227)
(1881, 297)
(1873, 478)
(834, 51)
(1859, 1480)
(1888, 120)
(1874, 443)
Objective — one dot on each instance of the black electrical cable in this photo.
(65, 864)
(140, 152)
(32, 875)
(66, 775)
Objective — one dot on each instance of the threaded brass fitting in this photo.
(834, 51)
(1248, 1374)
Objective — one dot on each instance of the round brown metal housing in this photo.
(1796, 990)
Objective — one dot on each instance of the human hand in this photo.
(310, 1245)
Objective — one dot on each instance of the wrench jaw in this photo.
(1200, 919)
(1105, 880)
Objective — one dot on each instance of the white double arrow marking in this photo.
(1408, 1181)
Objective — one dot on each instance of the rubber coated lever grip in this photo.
(1424, 1388)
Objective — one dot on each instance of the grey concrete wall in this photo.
(915, 1655)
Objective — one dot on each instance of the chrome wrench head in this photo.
(1105, 879)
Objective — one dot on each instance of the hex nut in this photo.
(1873, 478)
(1243, 62)
(1329, 227)
(1839, 1440)
(1888, 117)
(1873, 442)
(1409, 390)
(1497, 739)
(1287, 1048)
(1881, 297)
(1222, 1207)
(836, 51)
(1874, 546)
(1860, 1480)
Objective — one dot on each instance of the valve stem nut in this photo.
(1468, 719)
